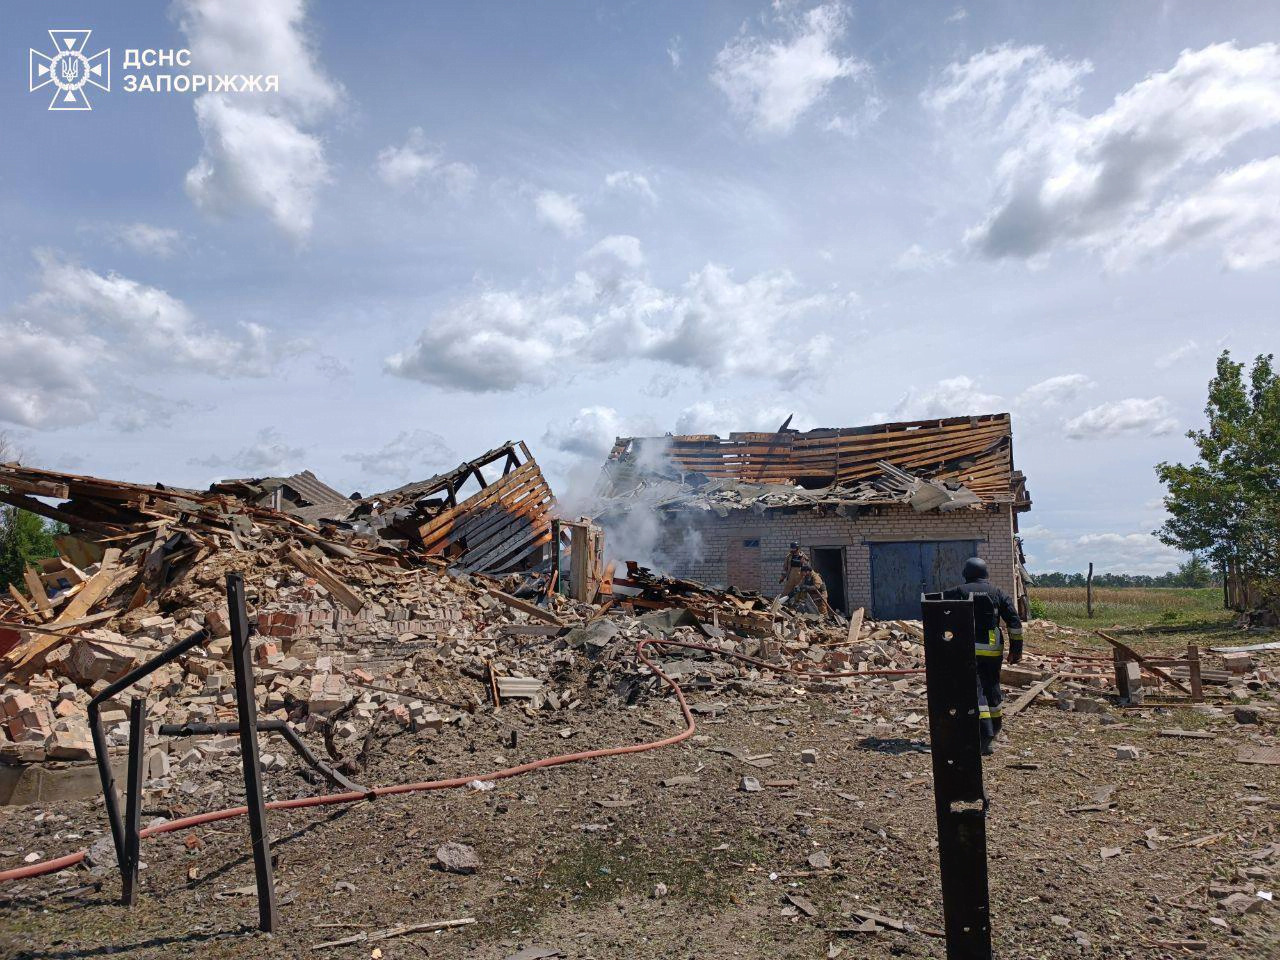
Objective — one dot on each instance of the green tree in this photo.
(1226, 505)
(1195, 572)
(24, 537)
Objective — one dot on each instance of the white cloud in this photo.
(1239, 210)
(1127, 182)
(409, 455)
(417, 163)
(560, 211)
(73, 348)
(723, 417)
(44, 381)
(257, 153)
(149, 240)
(852, 124)
(773, 83)
(953, 397)
(1054, 391)
(256, 159)
(1167, 360)
(136, 321)
(1026, 81)
(673, 52)
(625, 251)
(500, 340)
(1134, 553)
(1147, 417)
(917, 259)
(958, 16)
(269, 455)
(589, 433)
(625, 181)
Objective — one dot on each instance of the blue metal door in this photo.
(900, 572)
(896, 581)
(943, 563)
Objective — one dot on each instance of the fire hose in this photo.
(44, 867)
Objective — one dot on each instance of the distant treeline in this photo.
(1194, 573)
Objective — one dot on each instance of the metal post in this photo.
(133, 800)
(101, 754)
(109, 798)
(247, 710)
(959, 798)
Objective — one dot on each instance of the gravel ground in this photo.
(662, 855)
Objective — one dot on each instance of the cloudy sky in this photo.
(458, 224)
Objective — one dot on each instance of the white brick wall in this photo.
(992, 528)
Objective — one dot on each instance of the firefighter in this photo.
(793, 568)
(989, 645)
(810, 591)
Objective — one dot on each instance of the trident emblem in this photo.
(70, 70)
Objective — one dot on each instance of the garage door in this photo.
(900, 572)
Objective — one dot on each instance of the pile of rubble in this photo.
(349, 631)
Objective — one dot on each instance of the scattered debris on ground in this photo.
(800, 812)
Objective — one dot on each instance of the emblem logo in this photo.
(70, 70)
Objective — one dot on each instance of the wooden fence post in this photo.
(1193, 671)
(1088, 593)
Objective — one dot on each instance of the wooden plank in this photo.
(93, 590)
(515, 603)
(21, 601)
(70, 519)
(1135, 655)
(26, 659)
(39, 593)
(855, 625)
(40, 488)
(63, 629)
(1031, 693)
(337, 589)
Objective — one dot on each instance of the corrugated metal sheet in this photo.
(976, 452)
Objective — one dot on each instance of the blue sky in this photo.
(459, 224)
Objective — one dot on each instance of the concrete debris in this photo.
(457, 858)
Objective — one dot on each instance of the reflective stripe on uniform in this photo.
(994, 647)
(984, 713)
(995, 713)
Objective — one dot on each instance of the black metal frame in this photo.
(109, 798)
(126, 834)
(959, 797)
(247, 709)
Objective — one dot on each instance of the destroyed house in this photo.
(885, 512)
(490, 514)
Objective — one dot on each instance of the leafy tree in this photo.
(24, 537)
(1226, 506)
(1195, 572)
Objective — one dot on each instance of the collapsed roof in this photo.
(498, 528)
(944, 464)
(302, 494)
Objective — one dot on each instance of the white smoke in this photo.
(635, 527)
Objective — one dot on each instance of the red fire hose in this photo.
(70, 860)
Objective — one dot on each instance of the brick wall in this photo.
(704, 556)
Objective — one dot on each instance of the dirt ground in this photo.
(662, 855)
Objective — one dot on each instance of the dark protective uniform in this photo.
(989, 643)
